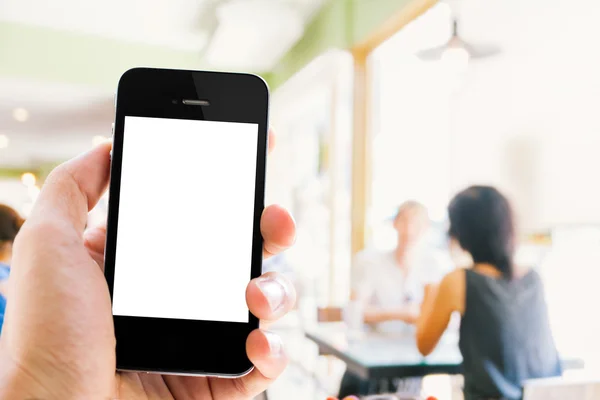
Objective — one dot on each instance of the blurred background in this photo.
(372, 107)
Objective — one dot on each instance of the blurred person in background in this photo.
(505, 337)
(390, 286)
(10, 223)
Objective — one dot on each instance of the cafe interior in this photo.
(374, 103)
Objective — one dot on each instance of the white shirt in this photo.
(379, 281)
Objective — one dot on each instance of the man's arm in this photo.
(408, 313)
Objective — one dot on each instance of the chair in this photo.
(561, 388)
(329, 314)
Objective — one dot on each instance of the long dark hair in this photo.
(481, 220)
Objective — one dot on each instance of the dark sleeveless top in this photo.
(505, 336)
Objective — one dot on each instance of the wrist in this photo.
(17, 381)
(17, 384)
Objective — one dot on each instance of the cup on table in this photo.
(353, 315)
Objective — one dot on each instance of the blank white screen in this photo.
(186, 209)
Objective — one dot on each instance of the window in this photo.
(309, 172)
(410, 125)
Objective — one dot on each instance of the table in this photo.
(377, 355)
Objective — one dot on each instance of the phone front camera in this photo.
(174, 101)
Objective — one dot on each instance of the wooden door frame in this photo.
(361, 137)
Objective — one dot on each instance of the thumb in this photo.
(72, 189)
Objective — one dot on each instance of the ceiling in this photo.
(179, 24)
(65, 117)
(62, 121)
(173, 23)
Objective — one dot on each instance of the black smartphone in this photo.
(185, 201)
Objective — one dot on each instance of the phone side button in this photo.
(112, 129)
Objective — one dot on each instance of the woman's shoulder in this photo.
(455, 276)
(453, 288)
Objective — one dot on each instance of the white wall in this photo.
(14, 194)
(528, 121)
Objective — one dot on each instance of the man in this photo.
(58, 339)
(391, 284)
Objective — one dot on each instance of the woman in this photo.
(505, 336)
(10, 223)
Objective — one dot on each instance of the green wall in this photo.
(39, 53)
(14, 173)
(44, 54)
(41, 172)
(339, 24)
(48, 55)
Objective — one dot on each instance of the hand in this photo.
(58, 339)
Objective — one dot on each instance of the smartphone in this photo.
(183, 236)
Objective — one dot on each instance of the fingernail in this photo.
(275, 343)
(273, 291)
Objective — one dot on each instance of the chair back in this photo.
(562, 388)
(329, 314)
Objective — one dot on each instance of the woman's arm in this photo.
(438, 305)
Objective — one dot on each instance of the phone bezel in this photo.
(175, 346)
